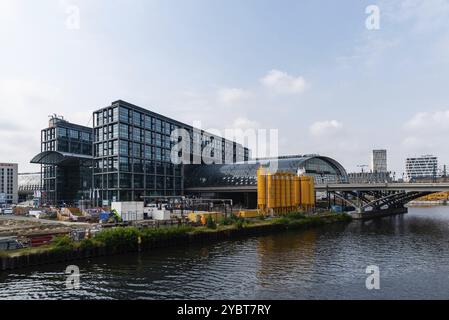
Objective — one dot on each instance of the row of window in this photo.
(137, 181)
(60, 132)
(126, 164)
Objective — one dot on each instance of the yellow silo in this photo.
(278, 191)
(283, 192)
(292, 192)
(305, 198)
(312, 195)
(296, 191)
(261, 189)
(271, 192)
(288, 190)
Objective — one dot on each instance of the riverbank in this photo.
(127, 240)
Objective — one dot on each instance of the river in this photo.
(411, 251)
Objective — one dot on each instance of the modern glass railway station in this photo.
(126, 156)
(239, 181)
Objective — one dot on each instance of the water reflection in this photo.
(412, 252)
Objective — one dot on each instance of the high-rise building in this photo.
(8, 183)
(379, 161)
(132, 153)
(126, 156)
(66, 162)
(423, 167)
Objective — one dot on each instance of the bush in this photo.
(240, 224)
(164, 233)
(62, 242)
(119, 238)
(295, 216)
(89, 244)
(210, 223)
(226, 221)
(62, 245)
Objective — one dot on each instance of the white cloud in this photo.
(282, 83)
(231, 96)
(244, 123)
(25, 106)
(429, 121)
(322, 128)
(426, 133)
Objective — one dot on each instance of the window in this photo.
(124, 131)
(148, 152)
(138, 166)
(125, 180)
(115, 114)
(158, 154)
(113, 181)
(137, 135)
(86, 136)
(125, 164)
(124, 148)
(148, 122)
(138, 181)
(124, 115)
(158, 140)
(158, 125)
(74, 134)
(62, 132)
(148, 137)
(159, 183)
(149, 181)
(136, 118)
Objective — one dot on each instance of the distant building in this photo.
(370, 177)
(379, 161)
(424, 167)
(8, 184)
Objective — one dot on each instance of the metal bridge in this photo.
(378, 197)
(365, 198)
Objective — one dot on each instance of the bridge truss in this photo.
(370, 201)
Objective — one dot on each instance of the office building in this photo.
(424, 167)
(8, 184)
(132, 153)
(379, 161)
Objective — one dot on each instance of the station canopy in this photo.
(56, 158)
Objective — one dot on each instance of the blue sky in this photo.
(308, 68)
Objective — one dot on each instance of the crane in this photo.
(363, 166)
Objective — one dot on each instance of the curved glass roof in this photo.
(324, 170)
(58, 158)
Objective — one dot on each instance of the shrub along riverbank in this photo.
(132, 239)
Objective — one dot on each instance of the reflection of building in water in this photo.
(286, 251)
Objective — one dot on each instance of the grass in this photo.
(130, 238)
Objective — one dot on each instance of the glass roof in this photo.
(245, 174)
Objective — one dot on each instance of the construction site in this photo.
(278, 194)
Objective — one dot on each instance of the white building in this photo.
(421, 167)
(8, 183)
(379, 161)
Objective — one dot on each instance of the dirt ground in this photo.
(22, 226)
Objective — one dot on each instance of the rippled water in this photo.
(412, 252)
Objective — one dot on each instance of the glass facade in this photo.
(323, 169)
(66, 171)
(132, 153)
